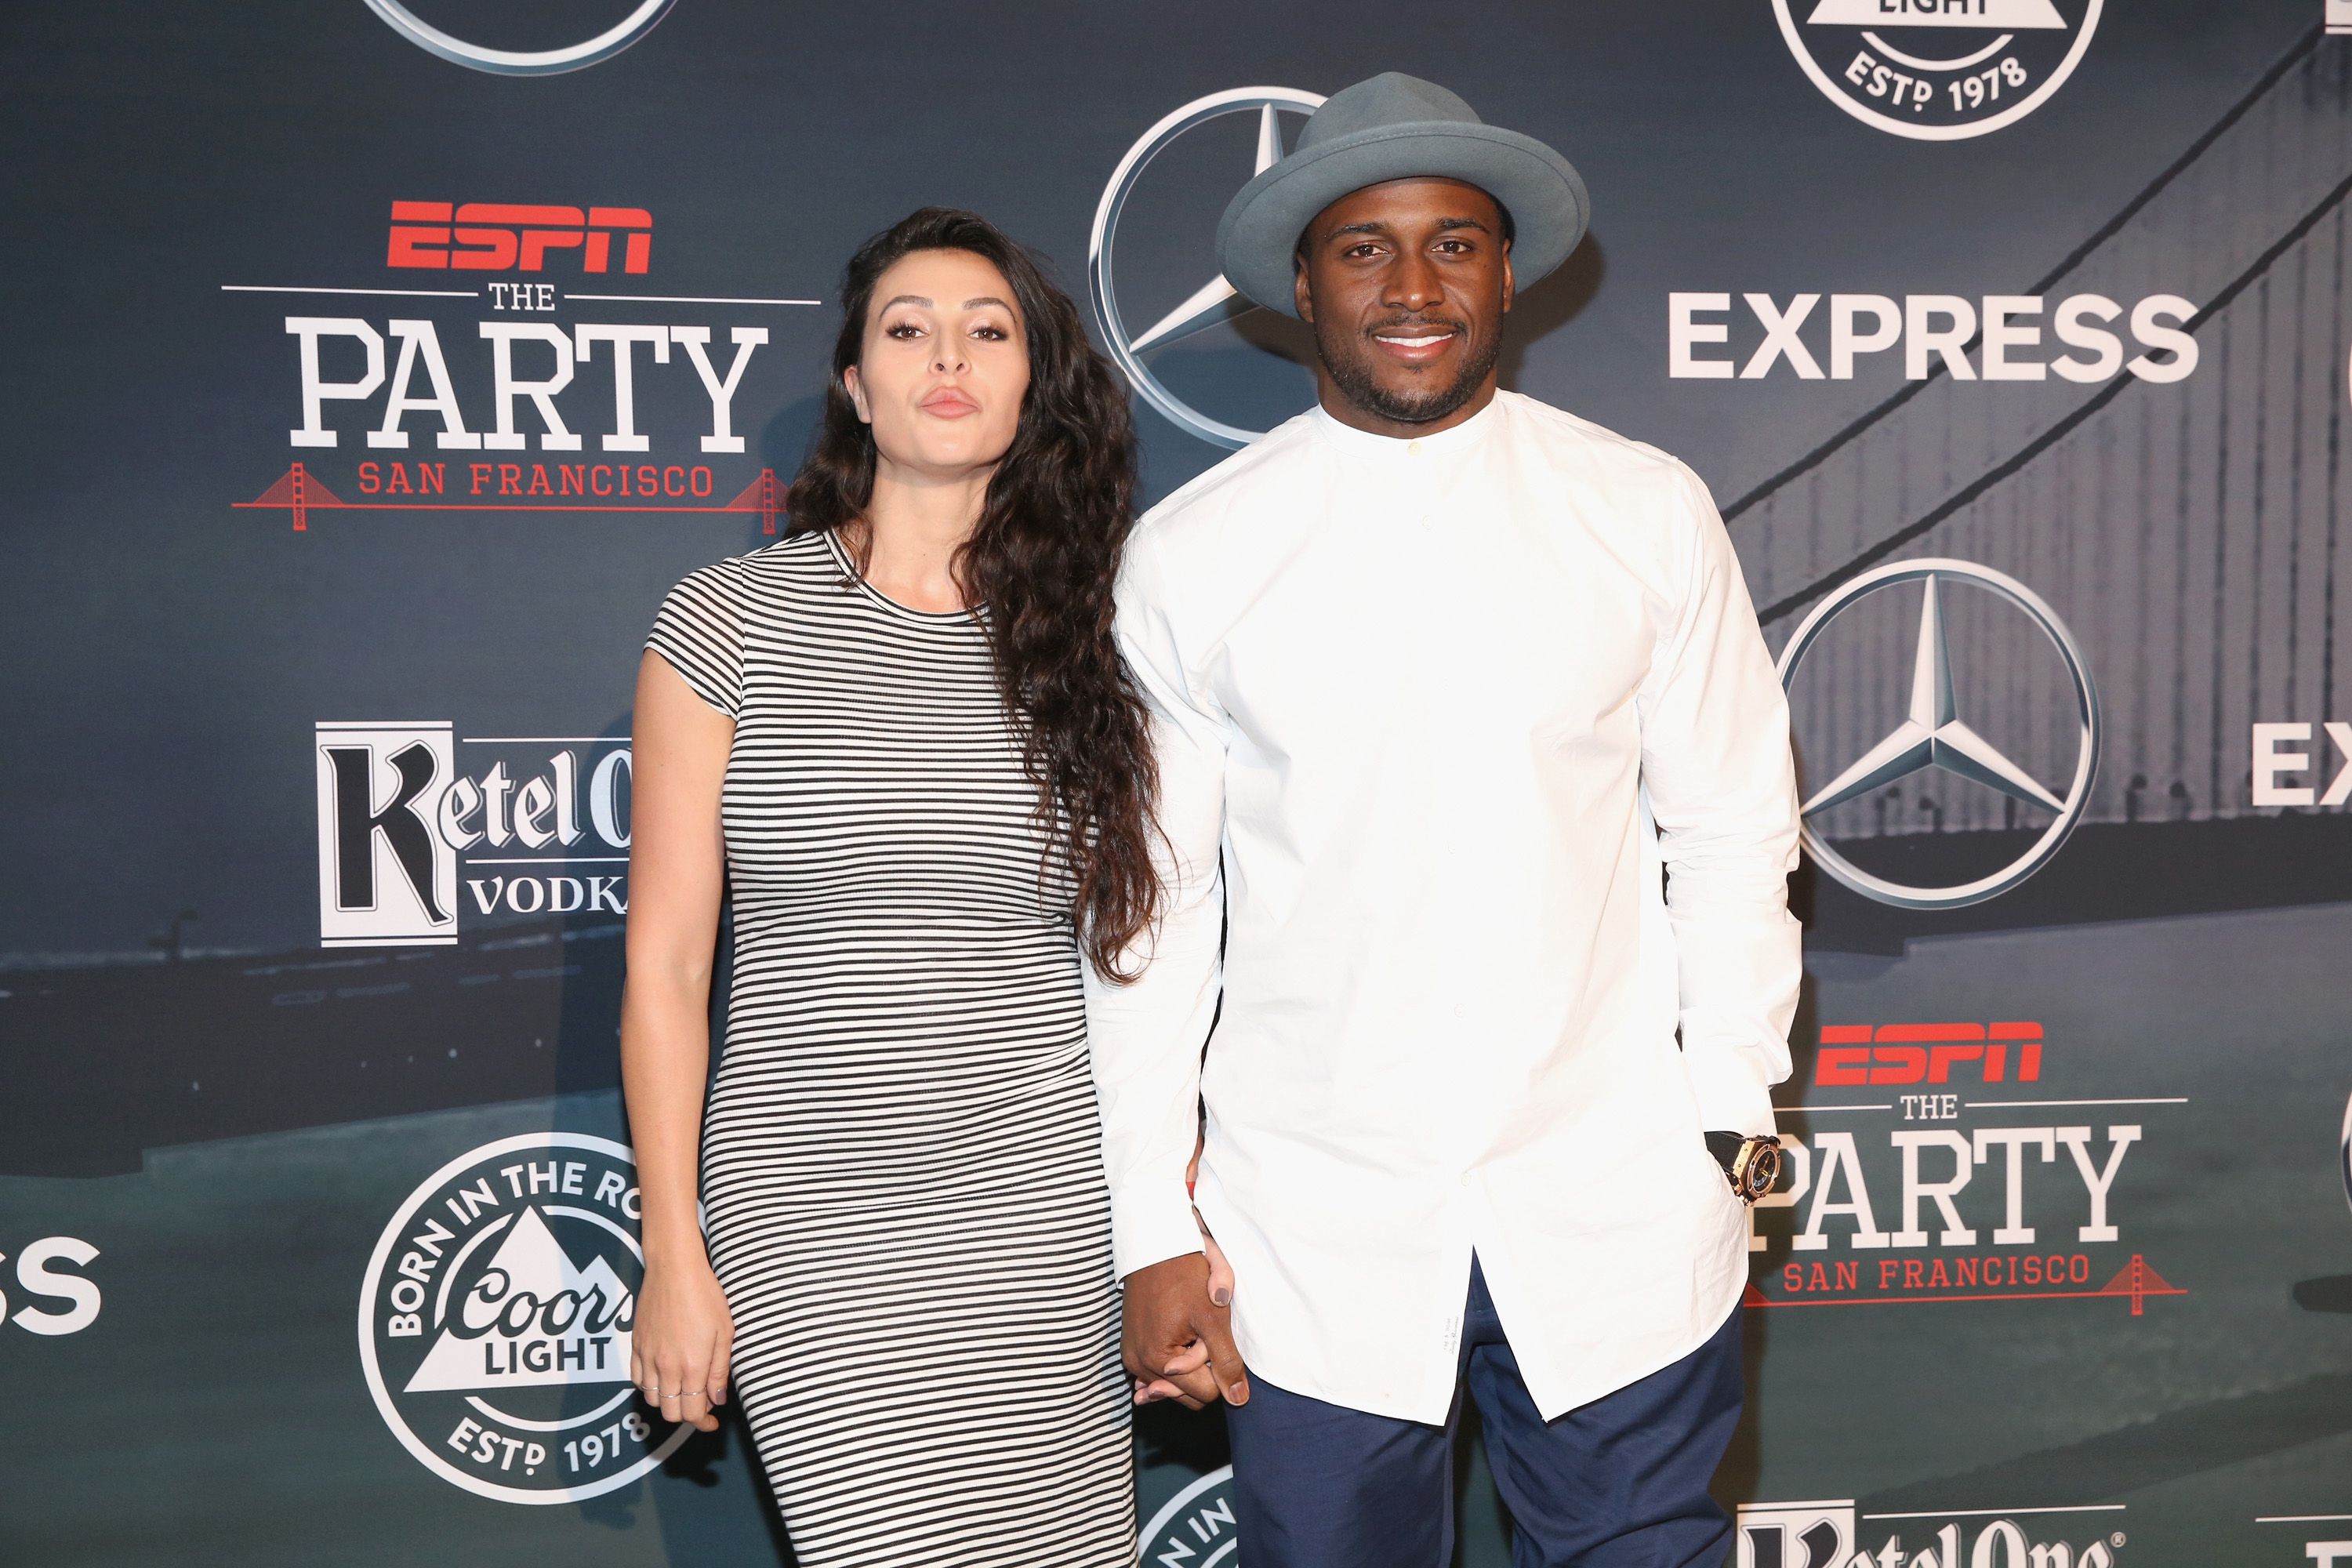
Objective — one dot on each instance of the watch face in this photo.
(1763, 1169)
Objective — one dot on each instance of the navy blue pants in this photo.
(1618, 1483)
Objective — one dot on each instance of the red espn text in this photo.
(1855, 1054)
(496, 236)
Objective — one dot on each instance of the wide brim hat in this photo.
(1398, 126)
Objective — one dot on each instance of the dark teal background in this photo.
(167, 654)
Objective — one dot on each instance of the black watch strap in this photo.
(1725, 1147)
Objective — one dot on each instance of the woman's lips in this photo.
(948, 404)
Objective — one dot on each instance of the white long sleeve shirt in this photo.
(1431, 716)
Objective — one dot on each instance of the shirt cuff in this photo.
(1151, 1222)
(1733, 1093)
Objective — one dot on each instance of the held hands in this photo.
(680, 1342)
(1198, 1386)
(1178, 1341)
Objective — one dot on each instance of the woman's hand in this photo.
(681, 1340)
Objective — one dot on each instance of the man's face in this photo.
(1406, 284)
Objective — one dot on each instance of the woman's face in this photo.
(944, 366)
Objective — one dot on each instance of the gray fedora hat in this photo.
(1398, 126)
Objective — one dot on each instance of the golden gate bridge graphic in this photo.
(300, 492)
(2194, 536)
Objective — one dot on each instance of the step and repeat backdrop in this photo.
(371, 369)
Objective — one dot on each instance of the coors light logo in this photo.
(1937, 70)
(495, 1322)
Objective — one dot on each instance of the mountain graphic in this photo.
(2005, 15)
(487, 1356)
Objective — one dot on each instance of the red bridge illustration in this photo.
(300, 492)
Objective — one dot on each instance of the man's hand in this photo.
(1170, 1323)
(1150, 1391)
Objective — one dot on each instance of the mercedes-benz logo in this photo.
(2344, 1152)
(1215, 300)
(513, 62)
(1933, 735)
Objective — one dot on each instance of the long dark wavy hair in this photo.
(1041, 560)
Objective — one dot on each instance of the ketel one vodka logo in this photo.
(495, 1320)
(1828, 1535)
(418, 827)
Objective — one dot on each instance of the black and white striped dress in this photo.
(902, 1162)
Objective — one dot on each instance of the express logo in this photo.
(1194, 1529)
(57, 1298)
(1937, 70)
(1214, 302)
(495, 1318)
(1932, 734)
(2284, 749)
(1829, 1535)
(551, 62)
(541, 821)
(2011, 336)
(494, 236)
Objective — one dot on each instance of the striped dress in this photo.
(901, 1166)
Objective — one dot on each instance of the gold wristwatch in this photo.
(1753, 1164)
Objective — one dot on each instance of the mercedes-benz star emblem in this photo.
(2344, 1152)
(1215, 300)
(1932, 734)
(518, 62)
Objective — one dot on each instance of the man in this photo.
(1445, 679)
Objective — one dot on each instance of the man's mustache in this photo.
(1418, 324)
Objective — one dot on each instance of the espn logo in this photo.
(498, 237)
(1856, 1054)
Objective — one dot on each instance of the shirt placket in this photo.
(1430, 502)
(1422, 469)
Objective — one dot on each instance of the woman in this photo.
(904, 735)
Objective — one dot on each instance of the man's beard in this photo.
(1353, 372)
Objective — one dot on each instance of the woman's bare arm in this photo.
(677, 869)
